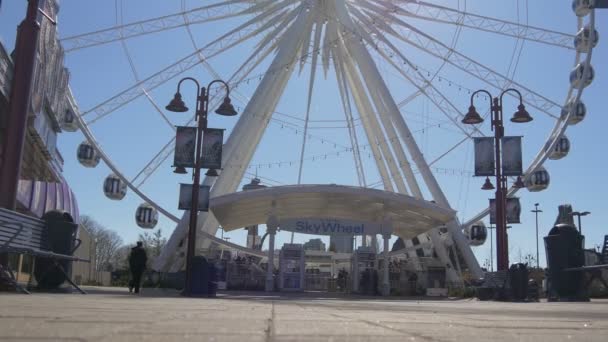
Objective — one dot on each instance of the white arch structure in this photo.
(333, 34)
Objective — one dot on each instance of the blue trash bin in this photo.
(212, 280)
(199, 283)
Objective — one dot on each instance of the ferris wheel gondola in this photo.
(146, 216)
(114, 188)
(87, 155)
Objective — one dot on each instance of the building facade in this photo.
(315, 245)
(42, 187)
(341, 243)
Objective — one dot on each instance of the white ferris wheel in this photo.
(375, 60)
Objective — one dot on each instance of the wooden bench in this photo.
(21, 234)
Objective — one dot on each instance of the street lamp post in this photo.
(202, 108)
(521, 116)
(536, 211)
(579, 214)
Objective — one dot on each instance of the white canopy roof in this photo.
(409, 216)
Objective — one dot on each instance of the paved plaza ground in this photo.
(113, 315)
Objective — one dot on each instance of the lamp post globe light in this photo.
(520, 116)
(178, 105)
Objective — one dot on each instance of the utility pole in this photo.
(536, 211)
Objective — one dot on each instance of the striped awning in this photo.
(40, 197)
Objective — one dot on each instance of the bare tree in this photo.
(106, 242)
(153, 243)
(119, 260)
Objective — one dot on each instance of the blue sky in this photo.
(135, 133)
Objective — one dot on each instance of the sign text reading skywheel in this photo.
(330, 227)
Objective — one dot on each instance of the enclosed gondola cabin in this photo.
(560, 149)
(538, 181)
(581, 77)
(69, 123)
(585, 41)
(146, 216)
(476, 233)
(114, 188)
(579, 112)
(582, 7)
(87, 155)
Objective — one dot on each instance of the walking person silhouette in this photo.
(137, 264)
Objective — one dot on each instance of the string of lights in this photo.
(342, 151)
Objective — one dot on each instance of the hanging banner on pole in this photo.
(185, 197)
(484, 156)
(513, 210)
(511, 156)
(185, 146)
(211, 155)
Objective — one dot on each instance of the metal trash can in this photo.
(60, 231)
(518, 279)
(564, 249)
(199, 283)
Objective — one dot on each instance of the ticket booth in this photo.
(291, 267)
(364, 270)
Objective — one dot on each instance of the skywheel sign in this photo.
(319, 226)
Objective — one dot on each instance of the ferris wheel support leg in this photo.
(365, 111)
(442, 252)
(377, 136)
(246, 135)
(465, 249)
(371, 73)
(391, 135)
(393, 138)
(243, 141)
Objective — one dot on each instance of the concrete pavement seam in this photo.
(270, 329)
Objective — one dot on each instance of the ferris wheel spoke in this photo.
(367, 115)
(441, 14)
(414, 76)
(151, 166)
(200, 15)
(237, 77)
(412, 97)
(279, 26)
(374, 78)
(446, 153)
(434, 47)
(352, 132)
(241, 144)
(369, 124)
(127, 53)
(313, 74)
(397, 162)
(91, 138)
(225, 42)
(167, 150)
